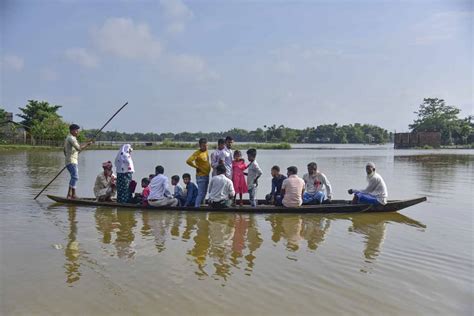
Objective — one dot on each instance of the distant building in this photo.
(12, 132)
(417, 139)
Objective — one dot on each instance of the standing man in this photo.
(228, 156)
(317, 185)
(71, 152)
(376, 190)
(200, 161)
(218, 156)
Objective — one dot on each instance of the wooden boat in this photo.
(336, 206)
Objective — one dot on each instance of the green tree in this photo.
(37, 111)
(51, 127)
(434, 115)
(3, 115)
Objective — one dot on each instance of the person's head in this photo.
(229, 141)
(237, 155)
(312, 167)
(74, 129)
(186, 178)
(151, 176)
(370, 168)
(145, 182)
(159, 170)
(174, 180)
(220, 169)
(251, 154)
(107, 166)
(275, 171)
(291, 171)
(220, 143)
(127, 148)
(202, 144)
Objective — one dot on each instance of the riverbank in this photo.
(162, 146)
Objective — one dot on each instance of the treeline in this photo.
(42, 121)
(330, 133)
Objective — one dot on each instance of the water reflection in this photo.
(433, 170)
(221, 244)
(157, 226)
(72, 252)
(373, 228)
(295, 228)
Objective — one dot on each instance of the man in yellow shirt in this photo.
(200, 161)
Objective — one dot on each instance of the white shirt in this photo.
(220, 188)
(376, 187)
(216, 157)
(71, 149)
(253, 172)
(159, 188)
(316, 183)
(228, 157)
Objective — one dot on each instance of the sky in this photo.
(215, 65)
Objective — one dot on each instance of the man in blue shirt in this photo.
(191, 190)
(275, 197)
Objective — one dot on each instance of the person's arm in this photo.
(328, 186)
(231, 189)
(274, 187)
(373, 182)
(283, 187)
(259, 174)
(215, 161)
(74, 143)
(210, 185)
(192, 160)
(189, 195)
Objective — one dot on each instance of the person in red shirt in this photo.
(146, 191)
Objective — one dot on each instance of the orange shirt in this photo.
(293, 187)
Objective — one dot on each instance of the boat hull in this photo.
(336, 206)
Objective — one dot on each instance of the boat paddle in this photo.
(91, 140)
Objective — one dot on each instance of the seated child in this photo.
(141, 198)
(275, 197)
(145, 192)
(191, 190)
(178, 190)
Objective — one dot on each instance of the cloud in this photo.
(191, 65)
(177, 15)
(442, 26)
(82, 57)
(48, 74)
(12, 62)
(123, 37)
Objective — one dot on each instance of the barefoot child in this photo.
(238, 177)
(254, 173)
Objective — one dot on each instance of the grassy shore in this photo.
(162, 146)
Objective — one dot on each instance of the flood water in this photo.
(57, 259)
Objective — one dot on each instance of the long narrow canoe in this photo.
(336, 206)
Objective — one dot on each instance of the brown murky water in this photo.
(80, 260)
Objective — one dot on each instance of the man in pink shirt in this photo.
(292, 188)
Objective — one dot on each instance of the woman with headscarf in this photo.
(104, 187)
(125, 169)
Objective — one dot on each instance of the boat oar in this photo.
(93, 138)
